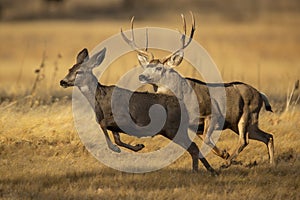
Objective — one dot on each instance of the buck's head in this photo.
(81, 74)
(155, 69)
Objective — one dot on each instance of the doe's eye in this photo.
(159, 68)
(79, 72)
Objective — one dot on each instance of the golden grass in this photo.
(41, 156)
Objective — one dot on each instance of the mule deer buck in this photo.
(100, 98)
(243, 102)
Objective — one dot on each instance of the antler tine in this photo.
(192, 31)
(184, 23)
(184, 30)
(132, 32)
(125, 38)
(146, 49)
(132, 43)
(193, 22)
(193, 25)
(183, 36)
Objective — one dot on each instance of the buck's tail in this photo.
(266, 101)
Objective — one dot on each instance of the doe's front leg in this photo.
(110, 145)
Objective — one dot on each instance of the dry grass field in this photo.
(42, 157)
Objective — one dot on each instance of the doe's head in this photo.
(80, 74)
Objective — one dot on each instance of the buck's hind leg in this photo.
(118, 141)
(256, 134)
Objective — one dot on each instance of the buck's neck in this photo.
(176, 83)
(184, 92)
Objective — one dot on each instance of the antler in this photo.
(132, 43)
(183, 36)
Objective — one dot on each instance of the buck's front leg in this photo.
(243, 138)
(212, 123)
(209, 126)
(219, 152)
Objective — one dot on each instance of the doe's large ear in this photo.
(97, 59)
(82, 56)
(175, 59)
(143, 60)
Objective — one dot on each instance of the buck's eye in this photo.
(159, 68)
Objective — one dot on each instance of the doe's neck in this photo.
(90, 91)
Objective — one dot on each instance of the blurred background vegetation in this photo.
(235, 10)
(255, 41)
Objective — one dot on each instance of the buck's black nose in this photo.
(143, 77)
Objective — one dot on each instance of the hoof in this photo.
(138, 147)
(251, 164)
(115, 148)
(235, 162)
(226, 165)
(213, 172)
(273, 163)
(229, 163)
(225, 154)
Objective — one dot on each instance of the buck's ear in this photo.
(143, 60)
(97, 59)
(175, 59)
(82, 56)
